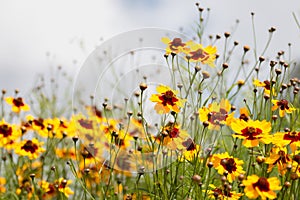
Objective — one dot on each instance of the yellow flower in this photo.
(198, 53)
(8, 134)
(31, 148)
(166, 100)
(291, 138)
(17, 104)
(66, 153)
(191, 150)
(252, 132)
(266, 85)
(63, 187)
(260, 186)
(175, 46)
(216, 114)
(2, 185)
(244, 114)
(279, 157)
(225, 163)
(283, 106)
(219, 193)
(48, 190)
(172, 136)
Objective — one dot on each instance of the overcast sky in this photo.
(68, 30)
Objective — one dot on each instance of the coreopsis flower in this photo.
(205, 55)
(225, 163)
(65, 153)
(261, 187)
(38, 125)
(266, 85)
(134, 196)
(244, 114)
(175, 46)
(291, 138)
(216, 114)
(30, 148)
(280, 158)
(219, 193)
(2, 185)
(17, 104)
(8, 134)
(63, 187)
(48, 190)
(252, 132)
(191, 150)
(166, 100)
(172, 136)
(283, 106)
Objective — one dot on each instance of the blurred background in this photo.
(38, 36)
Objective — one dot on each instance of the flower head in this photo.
(260, 186)
(266, 85)
(17, 104)
(63, 187)
(166, 100)
(31, 148)
(225, 163)
(291, 138)
(280, 158)
(219, 193)
(283, 106)
(252, 132)
(198, 53)
(8, 134)
(216, 114)
(174, 46)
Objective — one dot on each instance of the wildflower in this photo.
(219, 193)
(172, 136)
(198, 53)
(8, 134)
(166, 100)
(252, 132)
(48, 190)
(191, 150)
(266, 85)
(225, 163)
(291, 138)
(244, 114)
(66, 153)
(2, 185)
(283, 107)
(216, 114)
(17, 104)
(279, 157)
(260, 186)
(31, 148)
(63, 187)
(175, 46)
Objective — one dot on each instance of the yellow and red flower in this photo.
(283, 106)
(219, 193)
(252, 132)
(291, 138)
(166, 100)
(266, 85)
(48, 190)
(216, 114)
(225, 163)
(30, 148)
(191, 150)
(17, 104)
(63, 187)
(204, 55)
(260, 186)
(280, 158)
(175, 46)
(8, 134)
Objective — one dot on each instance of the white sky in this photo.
(70, 29)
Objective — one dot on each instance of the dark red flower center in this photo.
(168, 98)
(5, 130)
(216, 117)
(29, 146)
(283, 104)
(228, 164)
(199, 55)
(267, 85)
(244, 117)
(251, 133)
(283, 158)
(189, 144)
(293, 136)
(262, 184)
(177, 42)
(218, 192)
(18, 102)
(85, 123)
(39, 122)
